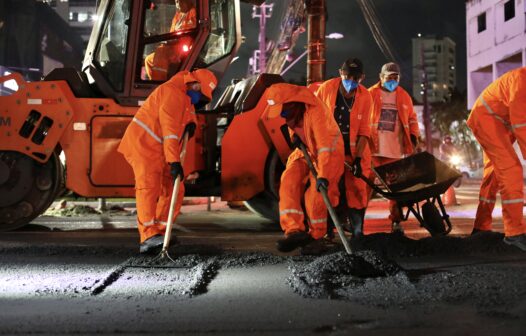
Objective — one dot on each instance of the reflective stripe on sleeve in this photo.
(499, 118)
(290, 211)
(149, 223)
(487, 200)
(518, 126)
(171, 136)
(513, 201)
(148, 130)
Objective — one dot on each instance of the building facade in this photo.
(434, 57)
(496, 41)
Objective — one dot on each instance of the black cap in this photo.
(352, 66)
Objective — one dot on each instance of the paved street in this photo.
(81, 275)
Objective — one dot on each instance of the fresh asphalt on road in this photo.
(69, 276)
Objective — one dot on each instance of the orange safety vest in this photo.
(154, 135)
(361, 111)
(406, 115)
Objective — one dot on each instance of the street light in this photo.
(331, 36)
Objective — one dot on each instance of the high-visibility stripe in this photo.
(487, 200)
(518, 126)
(171, 136)
(149, 223)
(352, 143)
(318, 221)
(159, 69)
(148, 130)
(513, 201)
(162, 223)
(325, 149)
(406, 126)
(499, 118)
(293, 211)
(374, 124)
(413, 122)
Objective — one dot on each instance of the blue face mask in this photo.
(284, 113)
(390, 85)
(349, 84)
(195, 96)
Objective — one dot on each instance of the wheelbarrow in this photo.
(413, 180)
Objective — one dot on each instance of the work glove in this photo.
(176, 170)
(296, 141)
(414, 141)
(322, 183)
(190, 129)
(357, 167)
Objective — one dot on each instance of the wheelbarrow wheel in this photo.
(433, 221)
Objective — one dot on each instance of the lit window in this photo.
(83, 17)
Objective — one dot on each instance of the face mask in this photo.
(390, 85)
(195, 96)
(284, 113)
(349, 84)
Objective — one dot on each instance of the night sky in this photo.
(401, 21)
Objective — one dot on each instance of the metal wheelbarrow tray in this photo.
(417, 178)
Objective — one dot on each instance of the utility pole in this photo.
(258, 62)
(426, 111)
(316, 11)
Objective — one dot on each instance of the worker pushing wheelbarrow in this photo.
(415, 179)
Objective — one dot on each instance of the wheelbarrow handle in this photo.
(326, 200)
(369, 182)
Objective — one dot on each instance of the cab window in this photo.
(168, 33)
(110, 54)
(223, 32)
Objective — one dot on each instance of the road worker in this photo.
(312, 123)
(158, 62)
(151, 144)
(351, 105)
(497, 118)
(394, 126)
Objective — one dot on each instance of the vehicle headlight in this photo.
(455, 160)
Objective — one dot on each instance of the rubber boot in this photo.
(357, 218)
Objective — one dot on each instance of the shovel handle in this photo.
(327, 201)
(175, 192)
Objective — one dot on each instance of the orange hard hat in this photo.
(208, 81)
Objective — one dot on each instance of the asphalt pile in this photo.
(373, 278)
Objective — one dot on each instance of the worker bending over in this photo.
(497, 118)
(151, 145)
(394, 126)
(351, 104)
(312, 123)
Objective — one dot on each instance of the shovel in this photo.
(326, 200)
(175, 192)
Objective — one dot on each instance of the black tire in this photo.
(433, 221)
(266, 203)
(29, 188)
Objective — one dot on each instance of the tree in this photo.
(449, 118)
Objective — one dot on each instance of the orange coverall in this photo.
(151, 141)
(498, 116)
(355, 188)
(408, 119)
(325, 146)
(157, 62)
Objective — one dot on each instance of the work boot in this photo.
(315, 247)
(396, 227)
(357, 218)
(475, 231)
(152, 244)
(292, 241)
(518, 241)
